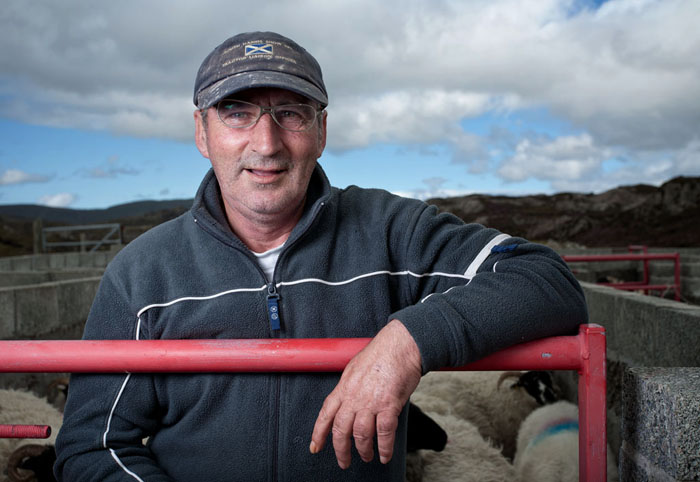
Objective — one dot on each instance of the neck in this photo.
(261, 232)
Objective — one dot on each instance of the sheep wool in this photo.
(496, 411)
(467, 456)
(22, 407)
(547, 446)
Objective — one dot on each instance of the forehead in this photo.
(270, 96)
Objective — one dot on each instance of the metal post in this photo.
(38, 237)
(677, 275)
(592, 446)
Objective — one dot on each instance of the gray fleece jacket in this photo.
(357, 259)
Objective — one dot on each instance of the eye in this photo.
(237, 112)
(288, 112)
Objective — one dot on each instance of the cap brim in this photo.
(260, 78)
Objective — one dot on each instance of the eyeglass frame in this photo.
(268, 110)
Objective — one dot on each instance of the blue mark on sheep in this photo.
(564, 426)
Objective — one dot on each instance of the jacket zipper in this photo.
(273, 315)
(273, 308)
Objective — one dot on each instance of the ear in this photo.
(200, 134)
(322, 134)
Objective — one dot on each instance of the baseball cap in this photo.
(258, 59)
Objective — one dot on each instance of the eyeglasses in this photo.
(292, 117)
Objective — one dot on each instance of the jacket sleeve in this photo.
(481, 290)
(107, 416)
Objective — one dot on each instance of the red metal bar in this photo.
(584, 352)
(643, 249)
(634, 286)
(554, 353)
(179, 356)
(592, 443)
(266, 355)
(576, 258)
(25, 431)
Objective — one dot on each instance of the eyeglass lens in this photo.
(240, 114)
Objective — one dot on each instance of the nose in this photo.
(265, 136)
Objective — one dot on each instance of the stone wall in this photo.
(641, 331)
(660, 424)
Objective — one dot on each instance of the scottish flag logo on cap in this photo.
(258, 49)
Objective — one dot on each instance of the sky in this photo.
(427, 98)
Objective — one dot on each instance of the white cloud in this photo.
(417, 117)
(109, 170)
(627, 74)
(15, 176)
(563, 158)
(434, 189)
(59, 200)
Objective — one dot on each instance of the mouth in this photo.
(265, 175)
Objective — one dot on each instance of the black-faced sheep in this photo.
(422, 432)
(479, 397)
(20, 407)
(547, 446)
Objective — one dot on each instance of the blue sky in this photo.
(427, 99)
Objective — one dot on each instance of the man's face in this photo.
(263, 170)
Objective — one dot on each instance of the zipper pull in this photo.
(273, 308)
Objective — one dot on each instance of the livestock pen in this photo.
(584, 353)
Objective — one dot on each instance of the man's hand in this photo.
(368, 399)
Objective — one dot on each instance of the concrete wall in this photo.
(55, 310)
(52, 310)
(23, 278)
(641, 331)
(57, 261)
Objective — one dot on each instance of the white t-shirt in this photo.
(268, 259)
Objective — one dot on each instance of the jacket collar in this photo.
(208, 208)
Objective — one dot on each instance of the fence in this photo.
(585, 353)
(112, 235)
(645, 257)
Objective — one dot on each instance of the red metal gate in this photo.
(585, 353)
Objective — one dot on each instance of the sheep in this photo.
(422, 432)
(36, 461)
(467, 456)
(478, 397)
(547, 445)
(57, 392)
(21, 407)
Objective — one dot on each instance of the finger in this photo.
(387, 422)
(322, 427)
(363, 433)
(342, 428)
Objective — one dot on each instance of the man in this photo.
(270, 249)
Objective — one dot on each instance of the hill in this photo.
(51, 215)
(665, 216)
